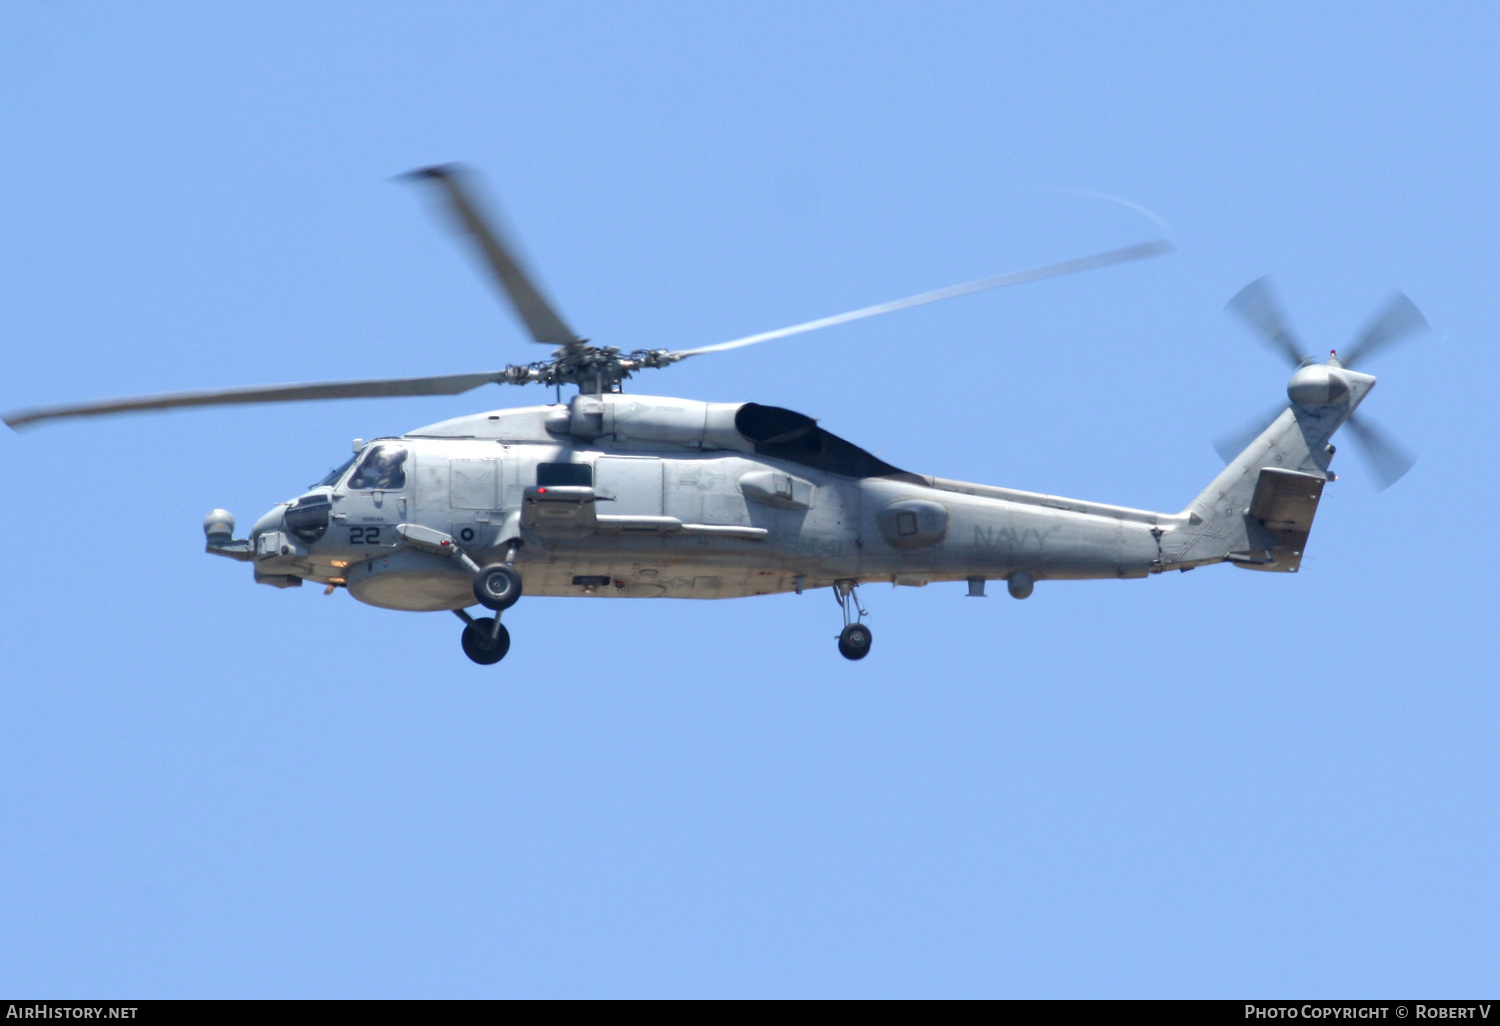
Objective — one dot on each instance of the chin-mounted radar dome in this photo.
(1317, 384)
(219, 525)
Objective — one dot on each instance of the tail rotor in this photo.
(1257, 306)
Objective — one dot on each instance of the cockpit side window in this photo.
(383, 468)
(333, 475)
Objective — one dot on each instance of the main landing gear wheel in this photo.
(485, 641)
(854, 641)
(497, 586)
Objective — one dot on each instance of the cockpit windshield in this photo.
(383, 468)
(333, 475)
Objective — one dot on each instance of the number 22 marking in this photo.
(364, 536)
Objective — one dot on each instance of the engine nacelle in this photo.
(1318, 384)
(641, 418)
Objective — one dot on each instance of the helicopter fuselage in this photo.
(639, 496)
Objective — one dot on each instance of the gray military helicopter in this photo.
(614, 494)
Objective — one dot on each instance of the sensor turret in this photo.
(219, 526)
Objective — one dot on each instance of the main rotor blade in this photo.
(1114, 256)
(451, 384)
(540, 319)
(1399, 319)
(1257, 306)
(1388, 460)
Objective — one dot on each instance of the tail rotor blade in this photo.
(1398, 320)
(1256, 305)
(1230, 444)
(535, 312)
(1388, 460)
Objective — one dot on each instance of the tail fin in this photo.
(1258, 512)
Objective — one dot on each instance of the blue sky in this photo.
(1209, 784)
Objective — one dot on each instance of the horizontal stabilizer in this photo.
(1284, 502)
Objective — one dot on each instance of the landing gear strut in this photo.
(497, 586)
(855, 638)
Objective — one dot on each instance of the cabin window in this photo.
(906, 524)
(383, 469)
(563, 475)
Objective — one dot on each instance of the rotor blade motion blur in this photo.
(540, 319)
(450, 384)
(1115, 256)
(574, 362)
(1388, 460)
(1256, 305)
(1398, 320)
(1231, 444)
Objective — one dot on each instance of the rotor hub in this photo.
(591, 368)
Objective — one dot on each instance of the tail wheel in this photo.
(854, 641)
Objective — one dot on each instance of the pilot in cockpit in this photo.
(382, 468)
